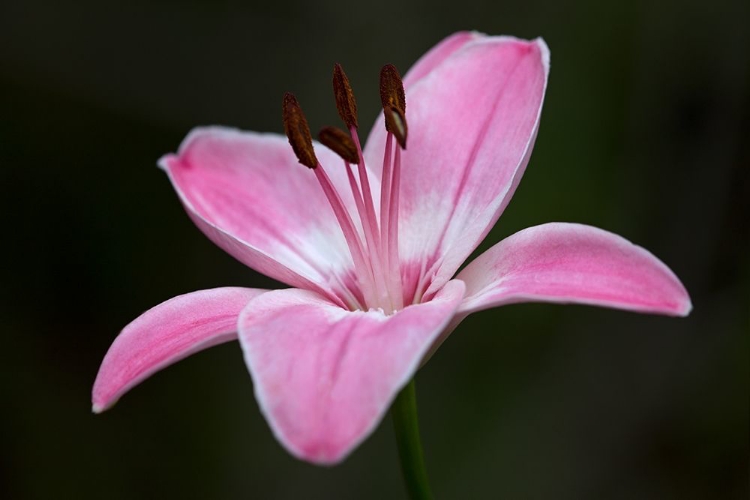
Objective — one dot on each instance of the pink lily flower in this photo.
(371, 246)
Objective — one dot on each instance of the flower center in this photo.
(374, 248)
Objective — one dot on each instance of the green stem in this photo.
(406, 425)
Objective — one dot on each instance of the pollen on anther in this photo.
(298, 131)
(392, 88)
(345, 102)
(340, 143)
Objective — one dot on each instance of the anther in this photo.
(340, 143)
(395, 123)
(298, 131)
(392, 88)
(345, 102)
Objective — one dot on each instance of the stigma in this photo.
(373, 248)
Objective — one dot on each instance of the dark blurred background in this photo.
(644, 132)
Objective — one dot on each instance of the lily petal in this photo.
(248, 193)
(472, 119)
(439, 53)
(572, 263)
(166, 334)
(324, 376)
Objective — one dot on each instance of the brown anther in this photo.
(392, 88)
(395, 123)
(298, 131)
(345, 102)
(340, 143)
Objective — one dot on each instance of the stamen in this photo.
(392, 238)
(371, 222)
(364, 271)
(340, 143)
(389, 193)
(385, 193)
(298, 131)
(345, 102)
(393, 98)
(347, 108)
(395, 123)
(374, 251)
(392, 88)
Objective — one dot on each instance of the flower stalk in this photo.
(406, 426)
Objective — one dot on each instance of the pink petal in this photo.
(249, 195)
(165, 334)
(472, 122)
(439, 53)
(572, 263)
(324, 376)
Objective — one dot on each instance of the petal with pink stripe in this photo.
(473, 119)
(165, 334)
(324, 376)
(572, 263)
(249, 195)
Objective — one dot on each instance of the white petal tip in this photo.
(544, 50)
(686, 309)
(162, 162)
(97, 408)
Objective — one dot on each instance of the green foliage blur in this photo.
(644, 133)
